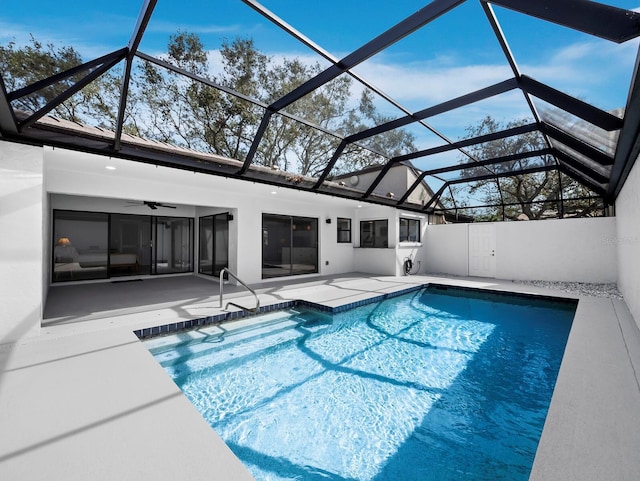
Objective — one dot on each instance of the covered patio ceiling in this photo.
(594, 146)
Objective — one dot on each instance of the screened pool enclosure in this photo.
(498, 120)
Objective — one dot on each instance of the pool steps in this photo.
(275, 328)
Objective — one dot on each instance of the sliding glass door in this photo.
(289, 245)
(213, 244)
(93, 245)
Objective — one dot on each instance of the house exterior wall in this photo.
(80, 181)
(627, 240)
(397, 181)
(419, 195)
(411, 250)
(22, 218)
(578, 250)
(375, 260)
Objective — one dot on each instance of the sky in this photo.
(454, 55)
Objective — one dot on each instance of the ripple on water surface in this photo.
(431, 385)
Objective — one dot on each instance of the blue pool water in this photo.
(438, 384)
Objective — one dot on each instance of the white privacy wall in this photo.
(445, 250)
(22, 204)
(627, 240)
(578, 250)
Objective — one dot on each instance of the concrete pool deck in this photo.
(86, 401)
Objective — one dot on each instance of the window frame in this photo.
(384, 233)
(408, 230)
(339, 230)
(293, 245)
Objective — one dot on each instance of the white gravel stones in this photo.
(609, 290)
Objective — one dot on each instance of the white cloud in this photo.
(600, 59)
(595, 70)
(159, 26)
(87, 48)
(429, 84)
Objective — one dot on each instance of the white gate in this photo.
(482, 250)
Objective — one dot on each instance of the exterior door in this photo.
(172, 245)
(482, 250)
(289, 245)
(214, 244)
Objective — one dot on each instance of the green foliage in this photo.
(536, 195)
(170, 107)
(24, 66)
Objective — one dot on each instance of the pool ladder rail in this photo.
(248, 309)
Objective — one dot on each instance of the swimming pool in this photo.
(437, 384)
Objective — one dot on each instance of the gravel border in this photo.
(609, 290)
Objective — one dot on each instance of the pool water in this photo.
(438, 384)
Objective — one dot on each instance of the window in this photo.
(289, 245)
(409, 230)
(344, 230)
(373, 233)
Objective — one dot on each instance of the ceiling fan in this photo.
(151, 205)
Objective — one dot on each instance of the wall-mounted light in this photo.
(328, 220)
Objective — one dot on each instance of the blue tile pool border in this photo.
(149, 332)
(185, 325)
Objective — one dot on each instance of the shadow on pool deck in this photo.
(73, 303)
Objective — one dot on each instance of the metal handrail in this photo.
(252, 310)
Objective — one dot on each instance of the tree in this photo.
(204, 118)
(24, 66)
(535, 195)
(292, 145)
(391, 143)
(169, 107)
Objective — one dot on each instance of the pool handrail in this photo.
(248, 309)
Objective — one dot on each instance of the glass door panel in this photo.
(205, 246)
(304, 252)
(213, 244)
(276, 246)
(173, 245)
(80, 247)
(220, 243)
(130, 247)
